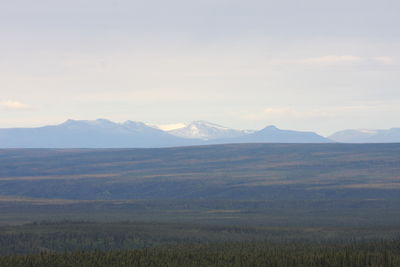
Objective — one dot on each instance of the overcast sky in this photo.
(302, 65)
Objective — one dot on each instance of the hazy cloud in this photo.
(288, 113)
(332, 59)
(338, 60)
(322, 112)
(385, 60)
(13, 105)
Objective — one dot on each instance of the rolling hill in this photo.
(236, 171)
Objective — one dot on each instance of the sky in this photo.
(310, 65)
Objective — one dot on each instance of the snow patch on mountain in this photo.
(206, 131)
(169, 127)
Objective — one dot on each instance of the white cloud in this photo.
(13, 105)
(278, 112)
(328, 60)
(333, 59)
(321, 112)
(338, 60)
(384, 60)
(295, 113)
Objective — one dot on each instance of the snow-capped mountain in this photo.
(102, 133)
(367, 136)
(206, 131)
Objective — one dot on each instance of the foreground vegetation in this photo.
(80, 243)
(91, 236)
(384, 253)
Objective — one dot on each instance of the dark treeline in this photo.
(71, 236)
(383, 253)
(82, 243)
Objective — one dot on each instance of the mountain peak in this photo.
(271, 127)
(69, 121)
(136, 123)
(271, 134)
(101, 120)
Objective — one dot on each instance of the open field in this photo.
(304, 213)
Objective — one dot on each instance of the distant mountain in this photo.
(272, 134)
(206, 131)
(98, 133)
(367, 136)
(102, 133)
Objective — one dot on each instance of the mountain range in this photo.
(102, 133)
(367, 136)
(89, 134)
